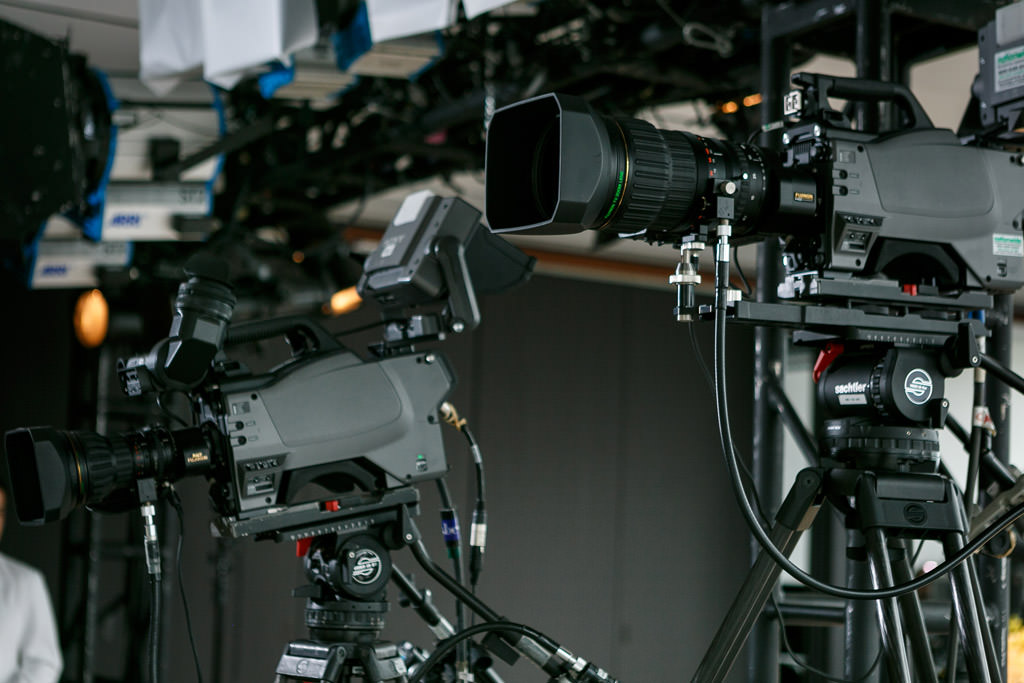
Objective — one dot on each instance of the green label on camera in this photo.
(1009, 69)
(1007, 245)
(618, 195)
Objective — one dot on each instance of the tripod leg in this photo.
(888, 608)
(795, 516)
(953, 647)
(967, 613)
(995, 666)
(913, 618)
(861, 636)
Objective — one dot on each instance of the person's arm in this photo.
(39, 657)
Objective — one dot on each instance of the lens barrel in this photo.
(54, 471)
(555, 166)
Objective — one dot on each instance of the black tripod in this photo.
(888, 509)
(880, 468)
(345, 607)
(348, 563)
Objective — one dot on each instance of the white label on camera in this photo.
(410, 208)
(1007, 245)
(853, 400)
(792, 103)
(1009, 68)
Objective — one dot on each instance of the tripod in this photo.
(348, 564)
(881, 390)
(880, 469)
(346, 543)
(888, 508)
(345, 607)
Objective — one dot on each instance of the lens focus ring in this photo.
(662, 178)
(105, 464)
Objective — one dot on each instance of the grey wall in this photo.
(612, 526)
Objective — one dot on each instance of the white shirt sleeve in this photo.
(39, 658)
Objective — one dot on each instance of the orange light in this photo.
(298, 257)
(344, 301)
(730, 107)
(91, 318)
(752, 100)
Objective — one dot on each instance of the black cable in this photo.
(445, 646)
(154, 629)
(176, 503)
(419, 551)
(814, 670)
(453, 541)
(701, 363)
(478, 532)
(975, 444)
(494, 620)
(749, 514)
(71, 13)
(478, 462)
(711, 386)
(167, 411)
(747, 289)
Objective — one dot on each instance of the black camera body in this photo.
(915, 206)
(332, 419)
(324, 432)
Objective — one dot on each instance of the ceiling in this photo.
(106, 31)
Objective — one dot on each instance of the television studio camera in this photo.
(891, 243)
(324, 450)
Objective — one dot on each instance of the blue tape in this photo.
(449, 526)
(31, 253)
(92, 223)
(353, 41)
(222, 127)
(278, 77)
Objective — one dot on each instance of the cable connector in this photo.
(686, 279)
(582, 671)
(451, 416)
(477, 542)
(151, 540)
(724, 232)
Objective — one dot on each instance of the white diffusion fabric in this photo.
(226, 38)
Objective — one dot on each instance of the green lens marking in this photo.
(618, 195)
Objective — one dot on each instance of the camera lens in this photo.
(54, 471)
(555, 166)
(544, 172)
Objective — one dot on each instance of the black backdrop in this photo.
(612, 525)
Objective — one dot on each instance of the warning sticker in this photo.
(1009, 69)
(1007, 245)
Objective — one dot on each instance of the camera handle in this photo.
(301, 333)
(821, 87)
